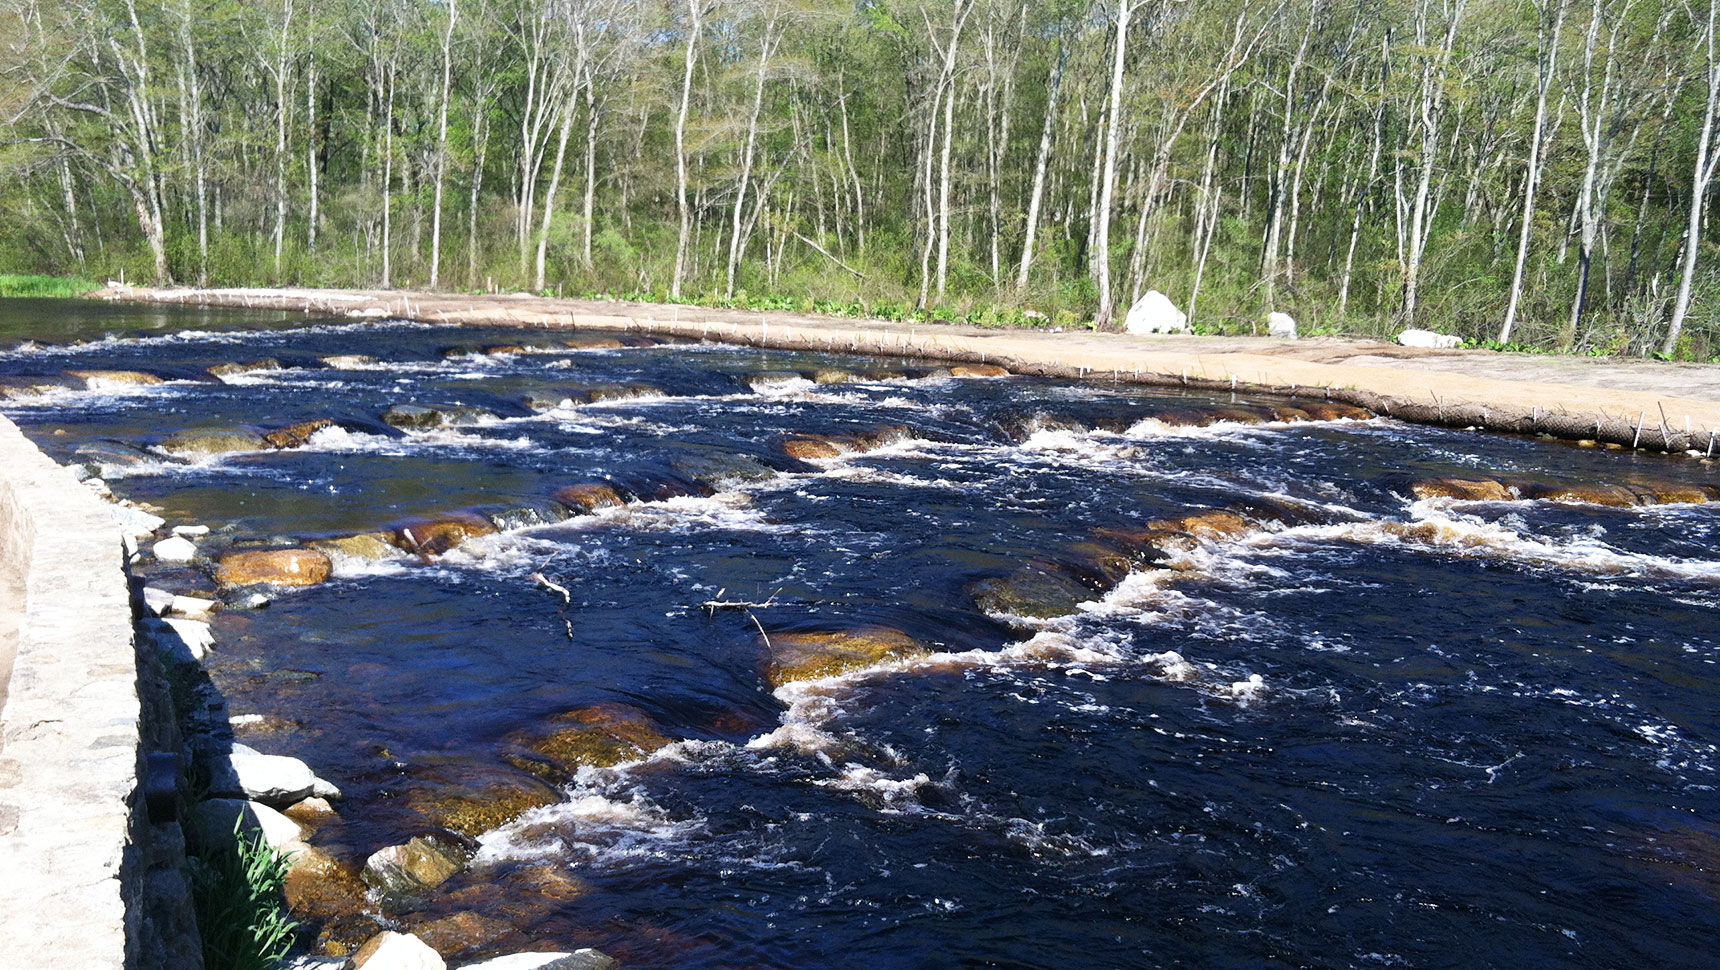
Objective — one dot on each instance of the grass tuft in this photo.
(237, 891)
(12, 285)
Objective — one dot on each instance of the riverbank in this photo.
(1649, 405)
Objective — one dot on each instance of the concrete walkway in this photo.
(1648, 404)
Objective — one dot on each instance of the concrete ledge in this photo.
(71, 748)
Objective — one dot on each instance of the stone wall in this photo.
(77, 845)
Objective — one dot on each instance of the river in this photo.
(1367, 730)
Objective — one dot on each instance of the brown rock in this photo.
(311, 813)
(248, 367)
(281, 567)
(462, 934)
(296, 435)
(1216, 524)
(423, 863)
(1333, 411)
(1286, 412)
(810, 447)
(204, 443)
(1153, 545)
(830, 375)
(978, 370)
(342, 936)
(592, 342)
(98, 378)
(505, 349)
(1105, 564)
(588, 498)
(811, 655)
(1668, 493)
(600, 735)
(433, 537)
(621, 392)
(366, 546)
(1617, 496)
(1464, 489)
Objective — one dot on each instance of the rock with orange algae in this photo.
(279, 567)
(1464, 489)
(809, 655)
(599, 736)
(433, 537)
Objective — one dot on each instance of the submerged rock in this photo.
(463, 933)
(296, 435)
(473, 799)
(806, 447)
(1214, 524)
(320, 885)
(796, 656)
(433, 537)
(425, 862)
(978, 370)
(618, 392)
(717, 470)
(278, 567)
(1616, 496)
(389, 950)
(1334, 411)
(100, 457)
(587, 498)
(526, 515)
(598, 736)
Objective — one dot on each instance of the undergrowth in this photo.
(16, 285)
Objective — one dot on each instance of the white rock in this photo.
(586, 959)
(191, 530)
(185, 641)
(1281, 325)
(1428, 338)
(190, 606)
(214, 819)
(1155, 313)
(135, 522)
(175, 549)
(389, 950)
(157, 601)
(269, 778)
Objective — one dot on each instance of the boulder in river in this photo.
(526, 514)
(97, 380)
(619, 392)
(587, 498)
(174, 549)
(213, 821)
(389, 950)
(1617, 496)
(1036, 590)
(583, 959)
(224, 371)
(599, 736)
(424, 862)
(419, 417)
(278, 567)
(591, 341)
(978, 370)
(275, 780)
(347, 361)
(204, 444)
(1334, 411)
(1464, 489)
(1211, 524)
(363, 547)
(295, 435)
(433, 537)
(809, 655)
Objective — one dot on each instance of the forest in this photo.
(1529, 174)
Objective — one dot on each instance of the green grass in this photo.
(11, 285)
(236, 890)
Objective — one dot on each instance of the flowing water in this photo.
(1371, 731)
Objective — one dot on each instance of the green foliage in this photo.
(46, 286)
(237, 892)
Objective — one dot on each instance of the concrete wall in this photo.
(74, 844)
